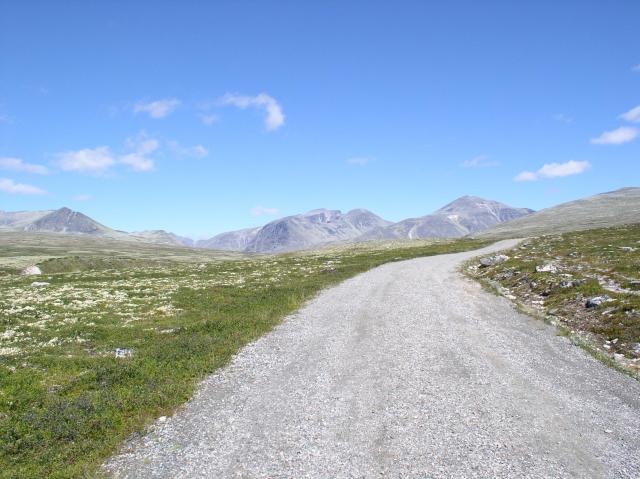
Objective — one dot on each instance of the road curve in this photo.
(408, 370)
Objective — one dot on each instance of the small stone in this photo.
(39, 284)
(162, 419)
(608, 431)
(493, 260)
(619, 358)
(597, 301)
(123, 352)
(547, 268)
(31, 271)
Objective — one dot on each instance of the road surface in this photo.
(409, 370)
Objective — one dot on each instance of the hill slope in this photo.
(606, 209)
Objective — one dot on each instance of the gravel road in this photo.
(408, 370)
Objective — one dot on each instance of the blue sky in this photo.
(201, 117)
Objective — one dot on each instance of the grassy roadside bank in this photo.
(90, 356)
(586, 283)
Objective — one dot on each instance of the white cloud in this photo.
(359, 161)
(275, 116)
(5, 118)
(526, 176)
(636, 68)
(208, 119)
(621, 135)
(137, 162)
(632, 115)
(196, 151)
(142, 147)
(555, 170)
(480, 161)
(90, 160)
(82, 198)
(9, 186)
(563, 118)
(262, 211)
(16, 164)
(159, 108)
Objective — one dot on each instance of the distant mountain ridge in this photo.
(468, 215)
(307, 230)
(314, 228)
(463, 216)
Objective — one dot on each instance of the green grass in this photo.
(595, 261)
(66, 401)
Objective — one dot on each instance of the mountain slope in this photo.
(606, 209)
(20, 219)
(314, 228)
(466, 215)
(65, 220)
(230, 241)
(317, 227)
(162, 237)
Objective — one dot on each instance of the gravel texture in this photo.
(408, 370)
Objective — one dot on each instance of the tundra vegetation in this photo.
(107, 339)
(587, 283)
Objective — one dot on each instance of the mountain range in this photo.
(465, 215)
(468, 215)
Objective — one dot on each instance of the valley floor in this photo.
(408, 370)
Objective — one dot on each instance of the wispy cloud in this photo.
(9, 186)
(480, 161)
(555, 170)
(16, 164)
(196, 151)
(5, 118)
(142, 146)
(100, 160)
(636, 68)
(208, 118)
(263, 211)
(274, 118)
(632, 115)
(159, 108)
(82, 198)
(89, 160)
(561, 117)
(359, 160)
(621, 135)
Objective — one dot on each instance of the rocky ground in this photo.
(587, 282)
